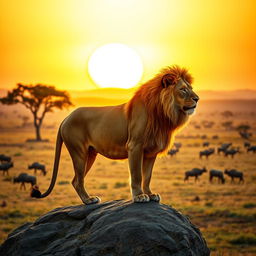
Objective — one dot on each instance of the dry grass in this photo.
(225, 214)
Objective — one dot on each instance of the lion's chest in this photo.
(155, 147)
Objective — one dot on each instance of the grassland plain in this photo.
(225, 213)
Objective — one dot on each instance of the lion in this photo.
(138, 130)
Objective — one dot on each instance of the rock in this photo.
(111, 228)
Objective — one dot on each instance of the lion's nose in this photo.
(196, 98)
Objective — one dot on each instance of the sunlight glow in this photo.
(115, 65)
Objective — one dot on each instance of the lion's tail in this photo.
(59, 142)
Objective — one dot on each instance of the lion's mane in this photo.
(163, 116)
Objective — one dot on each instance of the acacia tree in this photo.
(227, 114)
(39, 99)
(227, 125)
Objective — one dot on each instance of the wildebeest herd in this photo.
(227, 150)
(6, 163)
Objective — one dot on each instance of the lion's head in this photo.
(168, 99)
(177, 94)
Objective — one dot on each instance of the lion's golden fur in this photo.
(164, 118)
(138, 130)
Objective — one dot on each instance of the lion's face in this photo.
(185, 99)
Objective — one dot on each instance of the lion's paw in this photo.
(92, 200)
(154, 197)
(142, 198)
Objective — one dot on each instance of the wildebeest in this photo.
(206, 152)
(3, 204)
(247, 144)
(233, 173)
(218, 174)
(25, 178)
(245, 135)
(231, 152)
(177, 145)
(224, 147)
(206, 144)
(251, 148)
(173, 152)
(4, 158)
(37, 166)
(195, 172)
(5, 167)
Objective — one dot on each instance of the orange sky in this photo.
(50, 41)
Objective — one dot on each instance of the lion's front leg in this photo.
(135, 156)
(148, 163)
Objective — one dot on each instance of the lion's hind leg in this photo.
(82, 162)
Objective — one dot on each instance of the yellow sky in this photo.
(50, 41)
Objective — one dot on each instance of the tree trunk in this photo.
(38, 133)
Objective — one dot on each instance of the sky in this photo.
(51, 41)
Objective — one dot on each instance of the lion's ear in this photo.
(168, 80)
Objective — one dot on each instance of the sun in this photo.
(115, 65)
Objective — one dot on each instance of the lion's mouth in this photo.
(189, 110)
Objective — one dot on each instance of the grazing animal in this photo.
(173, 152)
(215, 137)
(177, 145)
(206, 144)
(231, 152)
(247, 144)
(4, 158)
(5, 167)
(25, 178)
(223, 147)
(245, 135)
(195, 172)
(138, 130)
(233, 173)
(218, 174)
(206, 152)
(3, 204)
(251, 148)
(37, 166)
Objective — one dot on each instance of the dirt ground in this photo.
(225, 213)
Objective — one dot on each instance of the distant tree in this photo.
(39, 99)
(227, 125)
(24, 119)
(243, 127)
(207, 124)
(227, 114)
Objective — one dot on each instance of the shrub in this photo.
(103, 186)
(12, 214)
(7, 179)
(63, 182)
(18, 154)
(120, 184)
(249, 205)
(209, 204)
(244, 240)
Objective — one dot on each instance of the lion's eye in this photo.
(183, 89)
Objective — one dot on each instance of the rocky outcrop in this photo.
(111, 228)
